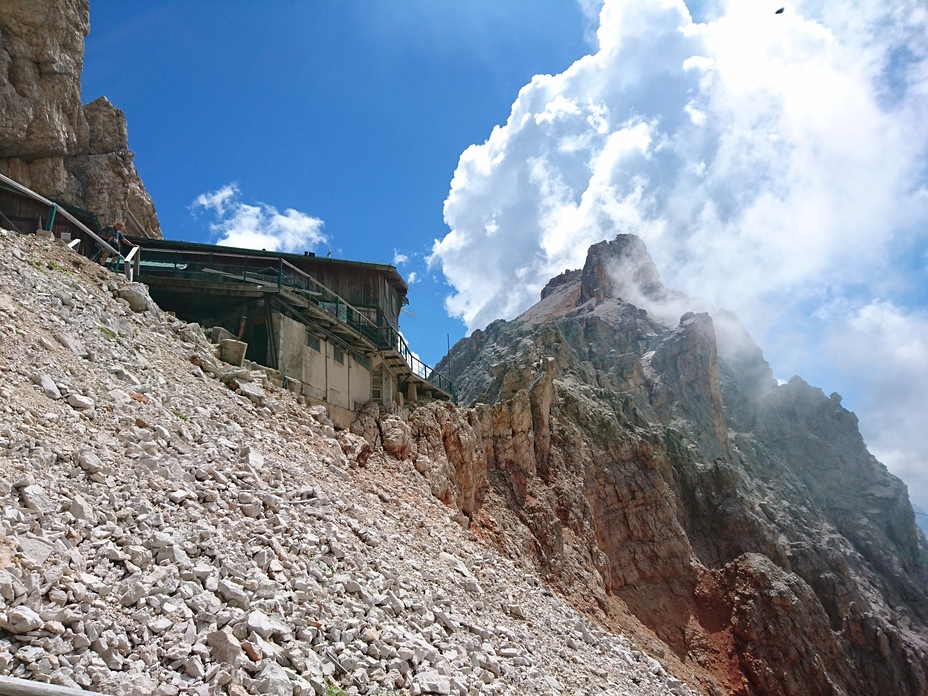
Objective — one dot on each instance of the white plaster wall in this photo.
(337, 379)
(290, 347)
(314, 372)
(360, 389)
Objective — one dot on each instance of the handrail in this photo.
(395, 340)
(32, 194)
(80, 225)
(136, 221)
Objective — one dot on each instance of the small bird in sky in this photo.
(780, 11)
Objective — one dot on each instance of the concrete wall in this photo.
(314, 383)
(360, 389)
(337, 377)
(291, 341)
(343, 382)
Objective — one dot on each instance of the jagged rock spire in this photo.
(613, 268)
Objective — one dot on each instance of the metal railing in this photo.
(279, 274)
(54, 209)
(392, 338)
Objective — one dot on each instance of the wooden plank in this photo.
(169, 284)
(243, 278)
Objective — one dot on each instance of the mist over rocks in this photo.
(169, 534)
(51, 142)
(618, 267)
(669, 474)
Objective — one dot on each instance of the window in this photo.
(313, 342)
(339, 355)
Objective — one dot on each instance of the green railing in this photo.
(277, 273)
(392, 338)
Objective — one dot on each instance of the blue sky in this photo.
(354, 113)
(775, 164)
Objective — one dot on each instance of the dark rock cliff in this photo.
(742, 521)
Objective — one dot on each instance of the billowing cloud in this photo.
(887, 348)
(773, 164)
(258, 226)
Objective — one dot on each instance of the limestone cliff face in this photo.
(50, 142)
(743, 522)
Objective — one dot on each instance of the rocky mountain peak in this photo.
(619, 268)
(173, 525)
(665, 469)
(165, 526)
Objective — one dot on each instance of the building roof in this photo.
(393, 276)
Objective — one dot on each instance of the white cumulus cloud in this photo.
(259, 225)
(773, 164)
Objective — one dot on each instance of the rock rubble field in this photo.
(174, 525)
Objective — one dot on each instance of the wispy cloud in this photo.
(258, 225)
(773, 164)
(400, 259)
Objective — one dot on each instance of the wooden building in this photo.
(330, 327)
(28, 215)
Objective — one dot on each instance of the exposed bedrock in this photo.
(743, 522)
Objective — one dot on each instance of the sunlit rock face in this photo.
(50, 142)
(659, 462)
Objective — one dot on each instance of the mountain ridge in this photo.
(171, 524)
(747, 483)
(621, 443)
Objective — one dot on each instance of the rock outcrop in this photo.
(170, 524)
(662, 469)
(175, 525)
(50, 142)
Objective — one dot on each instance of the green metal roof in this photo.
(178, 245)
